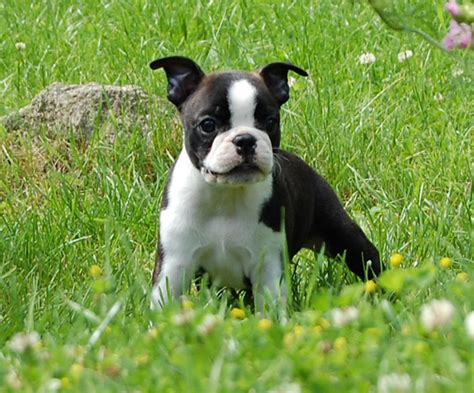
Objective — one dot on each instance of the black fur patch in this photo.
(314, 215)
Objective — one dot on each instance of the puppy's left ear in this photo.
(275, 76)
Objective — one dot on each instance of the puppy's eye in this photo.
(208, 125)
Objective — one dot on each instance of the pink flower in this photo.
(462, 13)
(453, 8)
(459, 36)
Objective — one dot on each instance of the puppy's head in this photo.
(231, 119)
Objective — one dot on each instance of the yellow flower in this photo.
(66, 382)
(153, 333)
(289, 339)
(142, 359)
(292, 337)
(371, 286)
(446, 263)
(76, 370)
(298, 330)
(325, 324)
(396, 260)
(421, 347)
(340, 343)
(462, 277)
(101, 285)
(373, 332)
(187, 304)
(95, 271)
(317, 329)
(265, 324)
(237, 313)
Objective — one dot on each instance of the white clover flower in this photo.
(343, 316)
(20, 46)
(20, 342)
(438, 97)
(184, 317)
(436, 314)
(458, 72)
(390, 383)
(469, 323)
(12, 379)
(403, 56)
(53, 385)
(291, 387)
(208, 325)
(367, 58)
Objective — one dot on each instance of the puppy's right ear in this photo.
(275, 76)
(183, 74)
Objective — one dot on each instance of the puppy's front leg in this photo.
(269, 287)
(172, 277)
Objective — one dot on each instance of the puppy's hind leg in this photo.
(341, 235)
(361, 256)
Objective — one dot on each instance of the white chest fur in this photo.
(217, 228)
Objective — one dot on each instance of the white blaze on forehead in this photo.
(242, 102)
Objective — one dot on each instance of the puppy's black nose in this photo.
(245, 144)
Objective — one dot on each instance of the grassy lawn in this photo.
(78, 222)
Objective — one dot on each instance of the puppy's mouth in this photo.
(245, 173)
(244, 168)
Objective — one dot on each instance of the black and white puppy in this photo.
(231, 186)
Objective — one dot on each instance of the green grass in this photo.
(400, 159)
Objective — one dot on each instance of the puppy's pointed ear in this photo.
(183, 74)
(275, 76)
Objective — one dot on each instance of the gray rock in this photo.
(82, 109)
